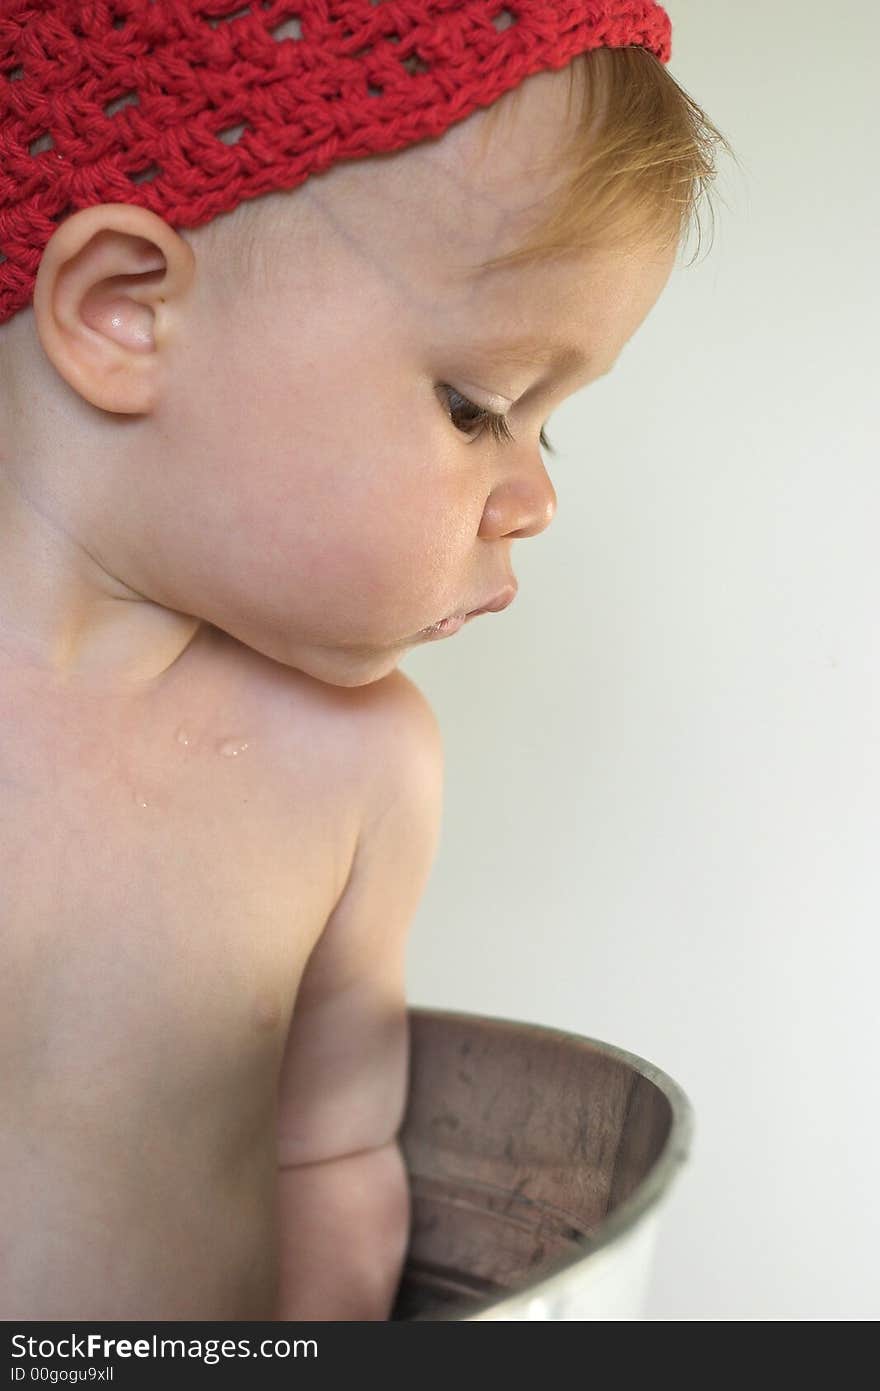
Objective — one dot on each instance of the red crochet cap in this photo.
(187, 107)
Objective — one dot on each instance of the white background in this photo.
(662, 762)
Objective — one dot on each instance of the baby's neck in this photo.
(132, 648)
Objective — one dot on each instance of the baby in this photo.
(245, 467)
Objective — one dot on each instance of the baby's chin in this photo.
(340, 663)
(348, 666)
(354, 677)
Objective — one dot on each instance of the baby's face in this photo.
(340, 498)
(312, 477)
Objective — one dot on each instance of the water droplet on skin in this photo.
(182, 736)
(231, 748)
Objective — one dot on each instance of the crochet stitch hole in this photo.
(232, 134)
(16, 74)
(128, 99)
(414, 64)
(43, 143)
(374, 91)
(503, 20)
(145, 174)
(289, 29)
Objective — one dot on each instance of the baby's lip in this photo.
(501, 601)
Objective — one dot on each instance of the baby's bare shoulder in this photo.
(364, 738)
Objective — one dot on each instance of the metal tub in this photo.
(537, 1160)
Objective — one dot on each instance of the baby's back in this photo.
(166, 868)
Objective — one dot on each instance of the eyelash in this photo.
(498, 426)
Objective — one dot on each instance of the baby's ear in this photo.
(110, 289)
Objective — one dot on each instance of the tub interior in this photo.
(519, 1142)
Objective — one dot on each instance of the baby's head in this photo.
(276, 421)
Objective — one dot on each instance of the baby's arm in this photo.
(343, 1190)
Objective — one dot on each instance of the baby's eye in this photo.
(466, 414)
